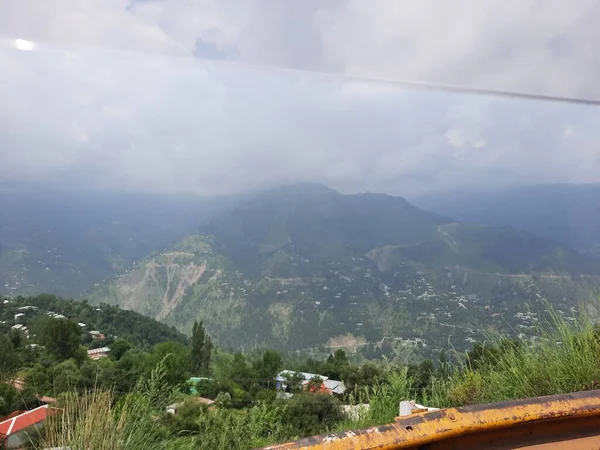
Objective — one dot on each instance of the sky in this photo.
(225, 96)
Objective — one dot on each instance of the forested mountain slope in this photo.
(305, 267)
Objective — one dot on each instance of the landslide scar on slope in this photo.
(184, 276)
(135, 288)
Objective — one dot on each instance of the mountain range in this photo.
(567, 213)
(306, 268)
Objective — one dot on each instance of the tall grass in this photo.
(94, 421)
(384, 398)
(565, 357)
(235, 430)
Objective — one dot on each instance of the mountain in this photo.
(567, 213)
(306, 268)
(315, 222)
(64, 241)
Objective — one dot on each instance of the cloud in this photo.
(194, 96)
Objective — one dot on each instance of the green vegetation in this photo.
(201, 349)
(121, 401)
(60, 338)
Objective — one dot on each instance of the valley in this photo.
(308, 270)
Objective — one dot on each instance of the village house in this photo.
(16, 428)
(98, 353)
(97, 335)
(28, 308)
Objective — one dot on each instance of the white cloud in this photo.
(171, 95)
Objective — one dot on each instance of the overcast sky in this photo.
(188, 95)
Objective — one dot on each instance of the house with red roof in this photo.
(16, 429)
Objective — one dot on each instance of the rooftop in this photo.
(96, 351)
(24, 420)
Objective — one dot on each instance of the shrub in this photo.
(307, 414)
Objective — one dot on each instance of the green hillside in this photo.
(111, 321)
(306, 268)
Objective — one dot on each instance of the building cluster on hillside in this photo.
(23, 311)
(94, 354)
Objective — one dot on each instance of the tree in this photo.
(39, 378)
(60, 337)
(129, 368)
(118, 348)
(293, 381)
(177, 362)
(12, 399)
(368, 374)
(314, 384)
(310, 414)
(241, 372)
(16, 337)
(421, 374)
(339, 357)
(201, 349)
(9, 359)
(66, 376)
(482, 355)
(268, 367)
(336, 364)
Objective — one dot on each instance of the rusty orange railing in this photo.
(567, 421)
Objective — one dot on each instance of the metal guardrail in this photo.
(567, 421)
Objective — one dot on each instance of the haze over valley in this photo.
(299, 267)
